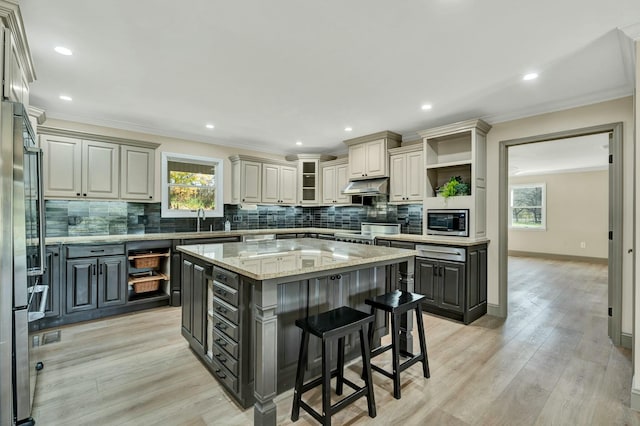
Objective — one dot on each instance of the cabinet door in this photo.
(477, 292)
(376, 163)
(270, 183)
(187, 294)
(397, 178)
(250, 178)
(451, 276)
(292, 305)
(62, 158)
(199, 307)
(288, 184)
(414, 176)
(357, 161)
(328, 185)
(341, 181)
(82, 284)
(137, 173)
(112, 281)
(426, 279)
(51, 278)
(100, 174)
(13, 79)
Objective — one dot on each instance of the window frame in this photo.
(191, 159)
(543, 207)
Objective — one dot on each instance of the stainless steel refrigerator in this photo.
(21, 261)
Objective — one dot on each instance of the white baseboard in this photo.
(494, 310)
(626, 340)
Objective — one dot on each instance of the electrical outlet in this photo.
(583, 244)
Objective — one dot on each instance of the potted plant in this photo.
(454, 187)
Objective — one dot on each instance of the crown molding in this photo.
(458, 127)
(53, 131)
(39, 114)
(632, 31)
(387, 134)
(12, 17)
(321, 157)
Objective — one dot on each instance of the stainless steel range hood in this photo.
(367, 187)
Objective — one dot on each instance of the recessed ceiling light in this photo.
(298, 143)
(63, 50)
(65, 98)
(426, 107)
(348, 129)
(210, 126)
(530, 76)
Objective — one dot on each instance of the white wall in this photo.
(619, 110)
(577, 211)
(168, 144)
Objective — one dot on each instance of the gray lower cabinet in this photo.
(456, 290)
(51, 278)
(96, 282)
(194, 284)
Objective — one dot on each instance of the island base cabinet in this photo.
(312, 297)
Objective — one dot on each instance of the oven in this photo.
(448, 222)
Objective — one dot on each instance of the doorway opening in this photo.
(530, 215)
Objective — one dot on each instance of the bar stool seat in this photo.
(397, 303)
(329, 326)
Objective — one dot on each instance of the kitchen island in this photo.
(240, 302)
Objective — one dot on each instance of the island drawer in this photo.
(225, 292)
(224, 375)
(225, 343)
(226, 277)
(227, 327)
(225, 359)
(225, 309)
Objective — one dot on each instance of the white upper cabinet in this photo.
(334, 179)
(458, 150)
(76, 168)
(16, 86)
(309, 178)
(100, 177)
(368, 156)
(61, 168)
(407, 174)
(16, 63)
(137, 171)
(279, 184)
(84, 168)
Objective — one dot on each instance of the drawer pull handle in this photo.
(222, 310)
(220, 374)
(221, 277)
(221, 342)
(221, 326)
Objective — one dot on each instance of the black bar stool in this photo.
(329, 326)
(397, 303)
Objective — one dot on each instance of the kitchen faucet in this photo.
(200, 210)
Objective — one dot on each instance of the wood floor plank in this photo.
(549, 362)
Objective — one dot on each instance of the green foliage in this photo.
(454, 187)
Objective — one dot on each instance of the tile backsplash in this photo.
(89, 218)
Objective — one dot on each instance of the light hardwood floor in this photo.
(550, 362)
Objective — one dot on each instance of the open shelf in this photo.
(146, 276)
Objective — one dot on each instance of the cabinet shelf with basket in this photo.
(148, 275)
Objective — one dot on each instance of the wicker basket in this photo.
(146, 286)
(146, 262)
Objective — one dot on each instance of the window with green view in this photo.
(527, 206)
(191, 183)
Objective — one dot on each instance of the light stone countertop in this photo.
(89, 239)
(434, 239)
(277, 259)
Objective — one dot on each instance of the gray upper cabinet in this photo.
(137, 171)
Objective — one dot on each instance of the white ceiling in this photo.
(579, 154)
(270, 73)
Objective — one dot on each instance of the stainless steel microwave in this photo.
(448, 222)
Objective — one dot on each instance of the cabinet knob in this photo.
(84, 195)
(150, 196)
(77, 194)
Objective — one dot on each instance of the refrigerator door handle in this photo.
(40, 313)
(39, 270)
